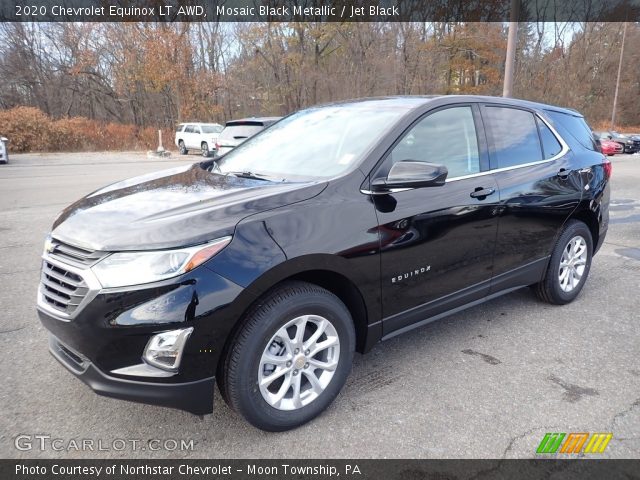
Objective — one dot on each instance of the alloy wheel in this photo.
(572, 263)
(298, 362)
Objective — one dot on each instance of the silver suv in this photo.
(237, 131)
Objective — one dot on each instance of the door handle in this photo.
(564, 173)
(481, 193)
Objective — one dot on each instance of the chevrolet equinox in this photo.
(264, 270)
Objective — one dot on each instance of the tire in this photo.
(183, 149)
(262, 337)
(559, 286)
(204, 148)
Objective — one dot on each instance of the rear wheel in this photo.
(569, 265)
(291, 357)
(183, 148)
(205, 149)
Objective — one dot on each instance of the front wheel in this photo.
(291, 357)
(569, 265)
(183, 148)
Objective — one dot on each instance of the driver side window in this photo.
(446, 137)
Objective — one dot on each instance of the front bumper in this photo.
(195, 397)
(102, 342)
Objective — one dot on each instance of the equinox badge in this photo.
(412, 273)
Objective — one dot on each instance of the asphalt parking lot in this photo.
(485, 383)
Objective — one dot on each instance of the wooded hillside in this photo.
(156, 75)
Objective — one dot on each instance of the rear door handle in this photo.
(481, 193)
(564, 173)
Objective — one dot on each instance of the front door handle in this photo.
(481, 193)
(564, 173)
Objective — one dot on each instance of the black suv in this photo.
(267, 268)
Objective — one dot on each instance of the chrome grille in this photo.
(73, 255)
(67, 283)
(61, 288)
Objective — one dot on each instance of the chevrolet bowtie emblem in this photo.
(49, 246)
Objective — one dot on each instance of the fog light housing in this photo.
(164, 350)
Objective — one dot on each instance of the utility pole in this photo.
(507, 89)
(615, 96)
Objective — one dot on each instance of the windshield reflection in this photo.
(318, 142)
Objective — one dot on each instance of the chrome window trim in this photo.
(86, 274)
(565, 149)
(392, 190)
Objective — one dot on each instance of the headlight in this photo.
(135, 268)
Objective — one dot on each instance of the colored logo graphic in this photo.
(574, 442)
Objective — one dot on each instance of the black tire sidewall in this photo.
(183, 150)
(573, 229)
(250, 401)
(204, 148)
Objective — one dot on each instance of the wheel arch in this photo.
(590, 219)
(334, 281)
(348, 293)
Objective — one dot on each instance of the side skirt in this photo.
(500, 285)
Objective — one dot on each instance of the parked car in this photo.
(200, 136)
(628, 145)
(4, 150)
(265, 269)
(602, 138)
(609, 147)
(237, 131)
(636, 140)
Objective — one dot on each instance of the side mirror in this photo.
(411, 174)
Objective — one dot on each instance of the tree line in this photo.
(159, 74)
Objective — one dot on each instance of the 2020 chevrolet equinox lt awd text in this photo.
(265, 269)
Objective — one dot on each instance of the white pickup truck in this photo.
(197, 136)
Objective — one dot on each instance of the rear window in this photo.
(514, 136)
(576, 127)
(211, 128)
(240, 132)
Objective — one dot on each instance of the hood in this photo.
(172, 208)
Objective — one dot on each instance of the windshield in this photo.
(211, 128)
(319, 142)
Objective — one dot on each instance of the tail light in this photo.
(608, 167)
(217, 146)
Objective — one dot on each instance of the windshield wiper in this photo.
(251, 175)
